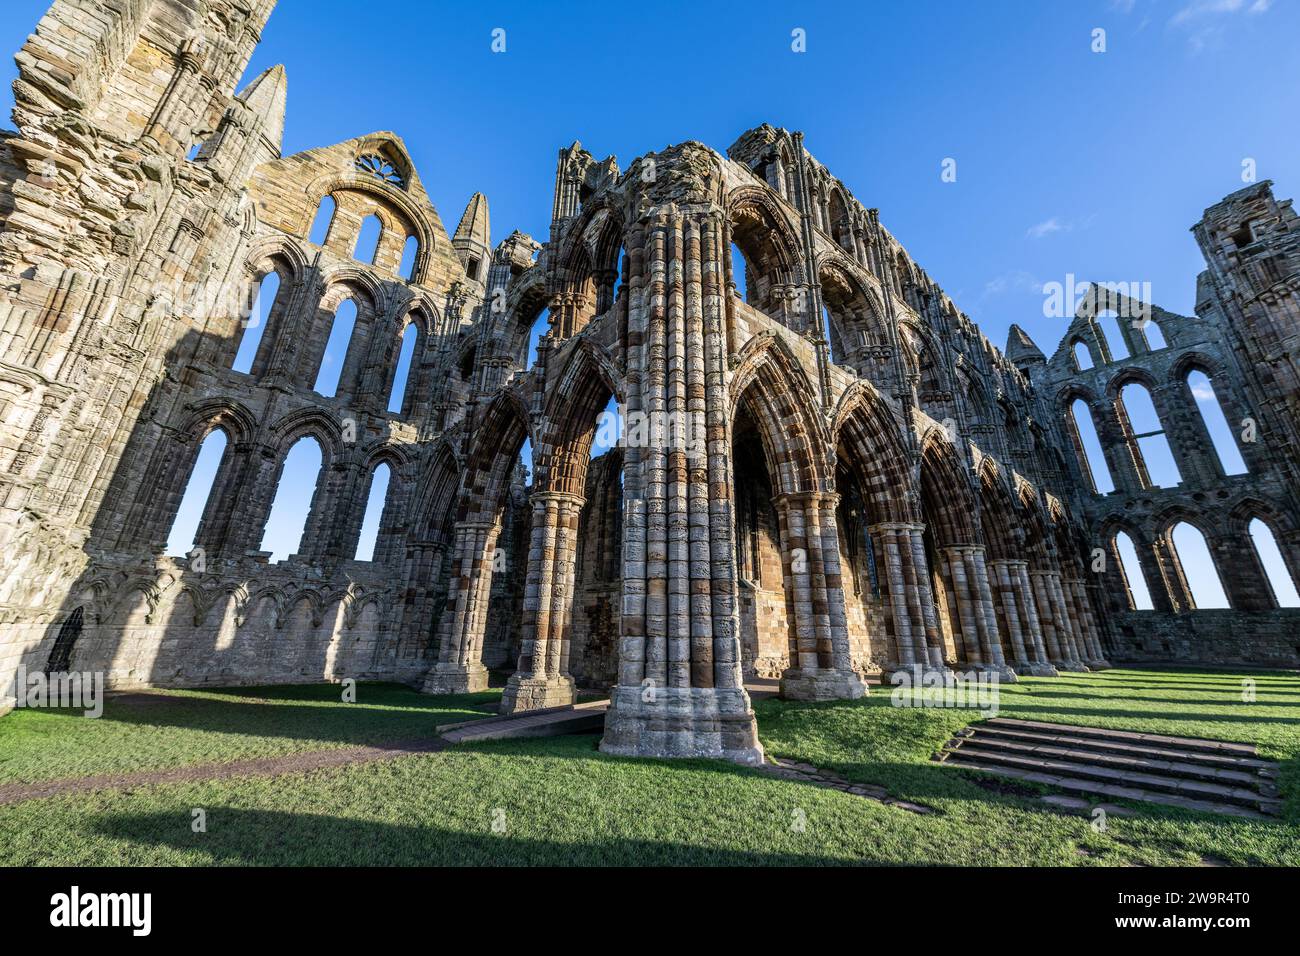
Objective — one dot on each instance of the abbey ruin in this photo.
(839, 476)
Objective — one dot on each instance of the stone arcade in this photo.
(879, 486)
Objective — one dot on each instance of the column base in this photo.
(1037, 669)
(681, 722)
(455, 679)
(1077, 667)
(822, 684)
(537, 693)
(1098, 665)
(1006, 674)
(915, 674)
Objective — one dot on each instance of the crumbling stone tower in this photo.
(828, 472)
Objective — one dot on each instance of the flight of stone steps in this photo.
(1206, 775)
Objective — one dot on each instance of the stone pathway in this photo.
(256, 767)
(1211, 776)
(807, 773)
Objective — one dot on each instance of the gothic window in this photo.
(381, 168)
(379, 479)
(540, 327)
(1197, 563)
(1130, 569)
(1275, 569)
(185, 526)
(367, 247)
(1092, 462)
(1112, 335)
(397, 395)
(410, 253)
(255, 324)
(1221, 434)
(1147, 442)
(1155, 338)
(299, 477)
(320, 227)
(336, 349)
(1082, 357)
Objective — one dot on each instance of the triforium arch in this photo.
(877, 480)
(496, 437)
(1010, 553)
(561, 454)
(769, 245)
(775, 404)
(963, 596)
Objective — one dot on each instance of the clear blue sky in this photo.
(1068, 161)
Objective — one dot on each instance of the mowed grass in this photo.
(166, 729)
(559, 801)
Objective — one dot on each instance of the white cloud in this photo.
(1204, 19)
(1018, 281)
(1045, 228)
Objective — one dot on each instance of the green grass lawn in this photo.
(559, 801)
(161, 730)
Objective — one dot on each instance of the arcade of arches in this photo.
(381, 449)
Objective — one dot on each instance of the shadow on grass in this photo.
(238, 837)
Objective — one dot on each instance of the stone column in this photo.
(1086, 620)
(1066, 635)
(542, 679)
(1051, 615)
(977, 618)
(1016, 596)
(917, 642)
(460, 667)
(820, 661)
(679, 690)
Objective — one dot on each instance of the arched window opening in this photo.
(1155, 338)
(320, 227)
(1082, 357)
(1130, 568)
(367, 247)
(541, 325)
(1216, 423)
(336, 349)
(1152, 454)
(526, 461)
(379, 479)
(1091, 458)
(1275, 569)
(1116, 344)
(833, 345)
(410, 252)
(397, 396)
(609, 426)
(193, 154)
(293, 497)
(738, 271)
(1199, 572)
(185, 526)
(255, 324)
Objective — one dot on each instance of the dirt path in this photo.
(257, 767)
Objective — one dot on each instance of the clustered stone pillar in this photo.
(1085, 619)
(679, 690)
(1015, 594)
(543, 679)
(978, 621)
(460, 667)
(1055, 619)
(911, 599)
(820, 664)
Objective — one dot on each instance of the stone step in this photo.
(1197, 744)
(1095, 789)
(1184, 769)
(1194, 789)
(584, 718)
(1060, 737)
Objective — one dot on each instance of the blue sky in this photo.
(1068, 161)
